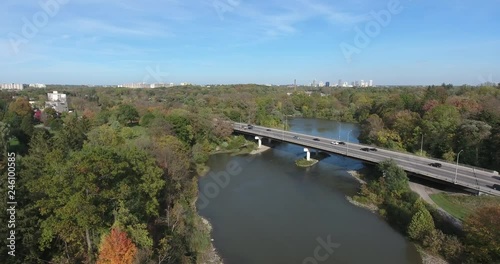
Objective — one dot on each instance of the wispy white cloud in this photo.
(136, 28)
(278, 18)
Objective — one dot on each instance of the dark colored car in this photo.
(341, 143)
(496, 187)
(316, 139)
(373, 149)
(435, 164)
(296, 137)
(268, 129)
(365, 149)
(250, 126)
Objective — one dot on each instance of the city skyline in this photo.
(229, 42)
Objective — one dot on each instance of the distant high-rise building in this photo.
(340, 82)
(37, 85)
(57, 101)
(370, 84)
(327, 84)
(11, 86)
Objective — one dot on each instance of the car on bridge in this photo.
(295, 137)
(316, 139)
(341, 143)
(268, 129)
(334, 143)
(436, 164)
(250, 126)
(365, 149)
(373, 149)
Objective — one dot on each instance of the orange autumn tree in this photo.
(117, 248)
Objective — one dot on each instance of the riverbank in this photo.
(210, 256)
(364, 201)
(356, 176)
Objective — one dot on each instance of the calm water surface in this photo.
(264, 209)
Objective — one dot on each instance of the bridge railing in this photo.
(420, 157)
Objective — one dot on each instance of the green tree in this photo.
(470, 136)
(147, 119)
(483, 235)
(79, 197)
(27, 125)
(395, 177)
(127, 114)
(181, 126)
(421, 224)
(440, 125)
(370, 129)
(73, 134)
(21, 107)
(406, 124)
(4, 139)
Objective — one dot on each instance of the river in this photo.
(265, 209)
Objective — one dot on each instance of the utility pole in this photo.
(456, 170)
(422, 145)
(347, 143)
(284, 125)
(340, 129)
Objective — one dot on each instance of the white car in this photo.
(334, 143)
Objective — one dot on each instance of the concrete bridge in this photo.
(471, 178)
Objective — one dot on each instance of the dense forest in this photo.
(122, 167)
(107, 174)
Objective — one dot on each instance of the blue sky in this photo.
(242, 41)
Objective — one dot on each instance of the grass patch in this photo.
(460, 206)
(305, 163)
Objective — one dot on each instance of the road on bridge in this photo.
(468, 177)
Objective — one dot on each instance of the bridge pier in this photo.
(308, 155)
(259, 139)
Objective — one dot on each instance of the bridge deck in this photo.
(468, 177)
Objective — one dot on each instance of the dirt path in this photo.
(424, 192)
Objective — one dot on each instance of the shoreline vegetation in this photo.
(427, 257)
(439, 236)
(210, 256)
